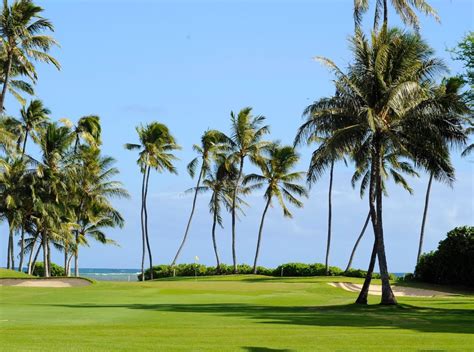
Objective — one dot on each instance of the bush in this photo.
(288, 269)
(56, 270)
(453, 262)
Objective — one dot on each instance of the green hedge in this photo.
(287, 270)
(56, 270)
(453, 262)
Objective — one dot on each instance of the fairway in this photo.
(245, 313)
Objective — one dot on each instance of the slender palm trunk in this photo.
(260, 230)
(9, 252)
(48, 242)
(65, 258)
(385, 13)
(234, 201)
(30, 259)
(364, 292)
(143, 224)
(388, 298)
(12, 252)
(145, 213)
(45, 255)
(214, 242)
(22, 249)
(357, 242)
(190, 216)
(76, 255)
(423, 221)
(328, 246)
(5, 81)
(68, 270)
(23, 150)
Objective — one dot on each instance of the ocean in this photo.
(101, 274)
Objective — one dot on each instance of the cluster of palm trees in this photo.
(59, 197)
(220, 168)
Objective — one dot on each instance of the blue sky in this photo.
(188, 64)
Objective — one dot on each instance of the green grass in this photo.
(227, 314)
(12, 274)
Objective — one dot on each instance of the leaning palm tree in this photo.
(279, 181)
(385, 102)
(212, 143)
(22, 40)
(404, 8)
(155, 151)
(246, 141)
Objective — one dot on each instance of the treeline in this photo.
(60, 197)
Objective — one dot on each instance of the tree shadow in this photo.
(265, 349)
(405, 316)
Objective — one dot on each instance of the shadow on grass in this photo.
(265, 349)
(405, 316)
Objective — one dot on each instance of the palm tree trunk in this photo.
(145, 212)
(33, 264)
(260, 235)
(143, 224)
(388, 298)
(364, 292)
(30, 258)
(22, 249)
(234, 201)
(65, 258)
(23, 150)
(328, 246)
(425, 213)
(357, 242)
(8, 67)
(9, 253)
(385, 13)
(45, 255)
(76, 255)
(190, 216)
(214, 242)
(49, 255)
(68, 272)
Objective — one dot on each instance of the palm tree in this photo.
(212, 142)
(33, 119)
(156, 147)
(94, 187)
(246, 141)
(221, 181)
(392, 167)
(22, 40)
(16, 85)
(447, 95)
(404, 8)
(279, 180)
(384, 102)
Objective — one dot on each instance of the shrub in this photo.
(452, 262)
(56, 270)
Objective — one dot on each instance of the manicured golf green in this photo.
(227, 314)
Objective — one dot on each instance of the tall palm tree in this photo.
(385, 102)
(447, 94)
(212, 142)
(220, 182)
(95, 187)
(155, 151)
(279, 179)
(392, 166)
(246, 141)
(404, 8)
(22, 40)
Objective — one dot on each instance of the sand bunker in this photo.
(63, 282)
(397, 290)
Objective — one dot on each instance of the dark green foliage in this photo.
(56, 270)
(289, 270)
(453, 262)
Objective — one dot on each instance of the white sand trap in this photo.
(63, 282)
(397, 290)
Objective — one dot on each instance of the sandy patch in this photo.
(397, 290)
(64, 282)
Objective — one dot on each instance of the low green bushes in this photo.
(452, 263)
(56, 270)
(286, 270)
